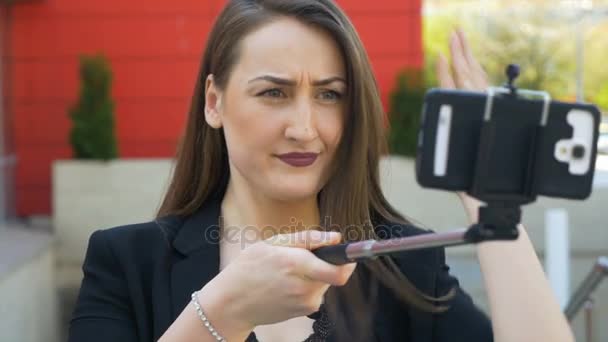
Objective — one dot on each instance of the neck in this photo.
(254, 216)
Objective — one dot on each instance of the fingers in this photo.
(444, 76)
(308, 239)
(300, 261)
(468, 73)
(477, 73)
(319, 270)
(460, 65)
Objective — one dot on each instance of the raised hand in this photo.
(465, 71)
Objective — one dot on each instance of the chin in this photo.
(293, 192)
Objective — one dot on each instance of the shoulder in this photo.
(132, 243)
(118, 281)
(429, 273)
(131, 235)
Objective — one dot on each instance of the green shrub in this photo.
(404, 112)
(93, 132)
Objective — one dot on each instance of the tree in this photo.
(404, 114)
(601, 97)
(546, 62)
(538, 47)
(92, 135)
(596, 73)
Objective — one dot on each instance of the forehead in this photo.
(289, 46)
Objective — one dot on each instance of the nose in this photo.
(302, 125)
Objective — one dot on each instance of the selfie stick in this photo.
(498, 219)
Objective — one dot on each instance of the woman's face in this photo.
(285, 95)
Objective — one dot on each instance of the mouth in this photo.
(298, 159)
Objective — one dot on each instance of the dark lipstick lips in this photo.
(298, 159)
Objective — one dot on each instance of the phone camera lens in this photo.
(578, 151)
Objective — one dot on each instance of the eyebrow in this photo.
(287, 82)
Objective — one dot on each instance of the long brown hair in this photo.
(351, 200)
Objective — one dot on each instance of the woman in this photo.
(280, 156)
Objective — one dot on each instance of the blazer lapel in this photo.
(197, 242)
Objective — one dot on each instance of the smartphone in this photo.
(560, 139)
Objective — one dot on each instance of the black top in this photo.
(138, 278)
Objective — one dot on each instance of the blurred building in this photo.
(154, 48)
(5, 156)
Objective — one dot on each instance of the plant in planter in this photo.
(404, 114)
(93, 132)
(84, 187)
(96, 189)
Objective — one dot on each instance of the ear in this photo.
(213, 103)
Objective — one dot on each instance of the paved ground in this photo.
(601, 171)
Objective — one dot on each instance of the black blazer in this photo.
(138, 278)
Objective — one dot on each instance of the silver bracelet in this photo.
(203, 318)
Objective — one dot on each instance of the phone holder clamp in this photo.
(499, 218)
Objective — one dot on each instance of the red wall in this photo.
(154, 47)
(6, 147)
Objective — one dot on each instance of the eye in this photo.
(330, 95)
(274, 92)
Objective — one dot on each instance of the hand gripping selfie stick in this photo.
(498, 219)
